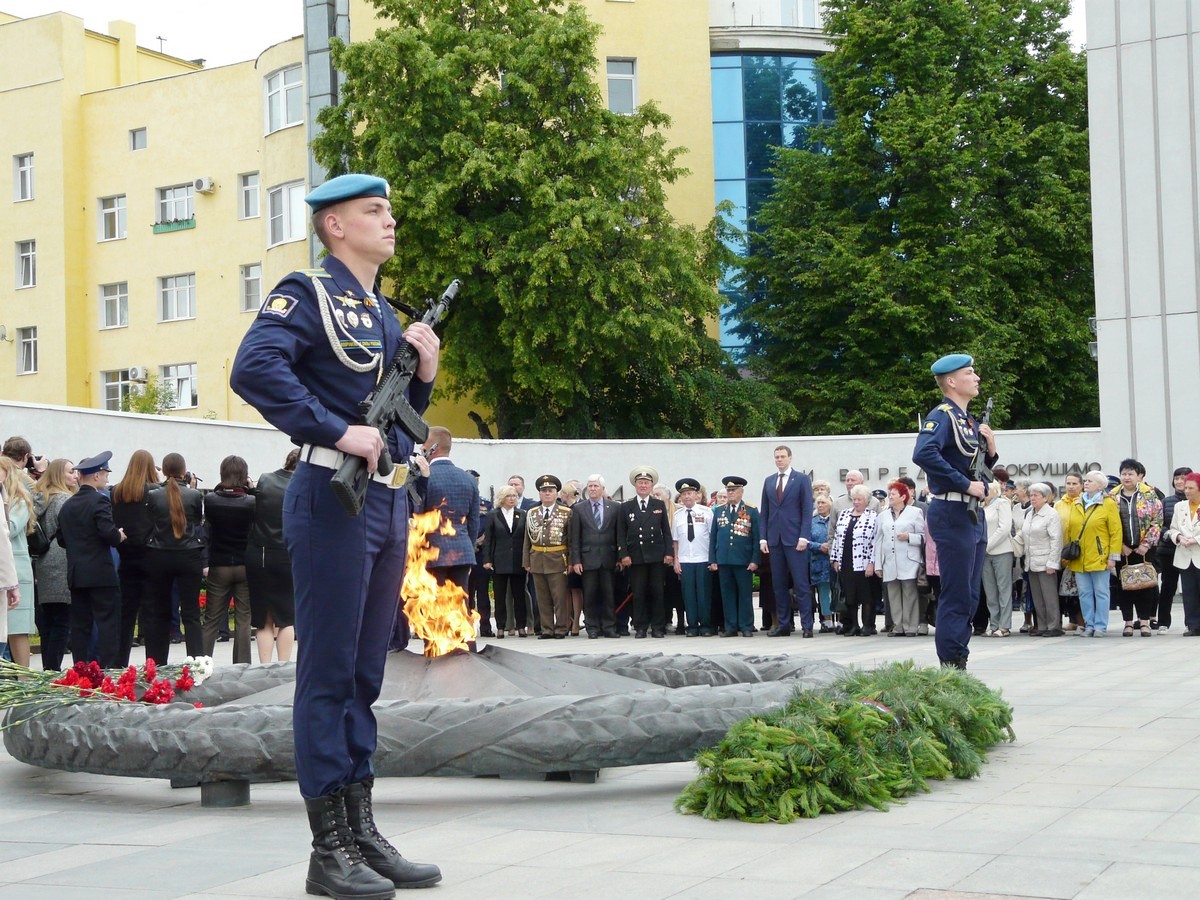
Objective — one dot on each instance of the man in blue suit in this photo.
(455, 494)
(785, 525)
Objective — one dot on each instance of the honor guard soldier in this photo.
(547, 536)
(320, 342)
(735, 554)
(644, 545)
(946, 446)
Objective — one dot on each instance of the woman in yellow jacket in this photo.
(1095, 522)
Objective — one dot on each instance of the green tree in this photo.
(585, 303)
(945, 209)
(153, 398)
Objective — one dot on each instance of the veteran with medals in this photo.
(318, 346)
(644, 545)
(947, 444)
(734, 555)
(545, 555)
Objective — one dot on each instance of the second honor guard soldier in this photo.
(946, 446)
(734, 554)
(644, 545)
(547, 533)
(317, 348)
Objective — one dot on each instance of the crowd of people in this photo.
(95, 569)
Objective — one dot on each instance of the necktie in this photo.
(545, 514)
(596, 514)
(691, 528)
(779, 488)
(643, 506)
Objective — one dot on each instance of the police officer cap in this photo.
(473, 474)
(346, 187)
(879, 494)
(951, 363)
(644, 472)
(733, 481)
(94, 464)
(548, 481)
(687, 484)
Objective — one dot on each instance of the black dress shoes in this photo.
(807, 632)
(779, 632)
(640, 633)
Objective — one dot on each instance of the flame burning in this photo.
(437, 613)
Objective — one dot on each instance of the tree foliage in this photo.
(945, 209)
(154, 397)
(584, 305)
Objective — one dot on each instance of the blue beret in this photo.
(951, 363)
(95, 463)
(347, 187)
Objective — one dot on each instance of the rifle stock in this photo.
(385, 407)
(979, 464)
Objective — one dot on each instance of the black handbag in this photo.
(39, 544)
(1071, 549)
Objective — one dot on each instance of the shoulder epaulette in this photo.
(314, 273)
(945, 407)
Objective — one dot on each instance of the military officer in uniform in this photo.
(545, 555)
(319, 344)
(644, 545)
(947, 444)
(735, 555)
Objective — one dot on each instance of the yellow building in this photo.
(153, 200)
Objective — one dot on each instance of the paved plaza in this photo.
(1098, 797)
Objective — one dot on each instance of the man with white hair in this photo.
(843, 501)
(594, 556)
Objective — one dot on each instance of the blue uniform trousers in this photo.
(785, 560)
(737, 587)
(694, 583)
(347, 572)
(961, 550)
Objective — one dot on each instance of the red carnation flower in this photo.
(185, 681)
(150, 670)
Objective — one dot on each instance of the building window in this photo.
(622, 86)
(114, 305)
(137, 139)
(112, 218)
(23, 177)
(177, 297)
(175, 204)
(181, 379)
(27, 350)
(285, 99)
(248, 196)
(26, 264)
(251, 287)
(117, 385)
(285, 209)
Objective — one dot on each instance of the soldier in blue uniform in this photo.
(734, 555)
(946, 446)
(319, 344)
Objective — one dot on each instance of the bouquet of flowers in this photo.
(35, 693)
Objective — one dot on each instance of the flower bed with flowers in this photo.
(26, 693)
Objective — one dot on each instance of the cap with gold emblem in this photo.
(733, 481)
(548, 482)
(687, 484)
(643, 472)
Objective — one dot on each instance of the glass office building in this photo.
(760, 102)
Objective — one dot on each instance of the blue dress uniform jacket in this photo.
(946, 445)
(305, 364)
(86, 529)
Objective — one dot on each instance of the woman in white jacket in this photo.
(1185, 535)
(998, 567)
(898, 557)
(1042, 531)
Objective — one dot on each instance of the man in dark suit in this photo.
(644, 545)
(481, 578)
(594, 556)
(523, 502)
(87, 531)
(785, 522)
(455, 494)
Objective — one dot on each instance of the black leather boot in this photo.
(378, 853)
(337, 868)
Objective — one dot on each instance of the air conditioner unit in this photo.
(137, 373)
(204, 185)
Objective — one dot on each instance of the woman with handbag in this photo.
(1068, 589)
(1135, 580)
(1093, 546)
(1184, 536)
(1042, 531)
(852, 555)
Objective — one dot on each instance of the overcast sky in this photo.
(225, 31)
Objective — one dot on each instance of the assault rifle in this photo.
(386, 406)
(979, 467)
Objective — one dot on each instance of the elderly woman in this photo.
(819, 573)
(1141, 526)
(898, 556)
(1042, 531)
(1166, 552)
(503, 538)
(998, 567)
(1184, 535)
(1095, 523)
(852, 555)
